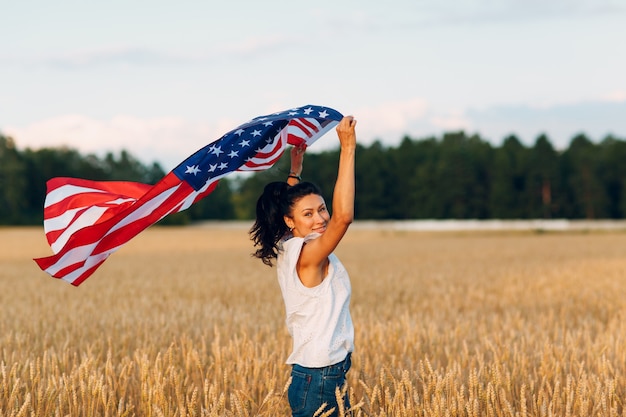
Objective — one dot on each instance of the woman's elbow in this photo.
(344, 218)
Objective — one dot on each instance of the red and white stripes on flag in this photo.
(86, 221)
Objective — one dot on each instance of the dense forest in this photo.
(457, 176)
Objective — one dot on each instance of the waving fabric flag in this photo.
(86, 221)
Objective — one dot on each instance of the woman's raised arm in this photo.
(312, 265)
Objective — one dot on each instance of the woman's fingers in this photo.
(345, 130)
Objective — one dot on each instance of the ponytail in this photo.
(271, 207)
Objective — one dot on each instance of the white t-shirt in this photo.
(318, 318)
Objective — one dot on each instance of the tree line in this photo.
(456, 176)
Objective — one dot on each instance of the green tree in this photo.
(508, 183)
(216, 206)
(126, 167)
(423, 189)
(408, 194)
(611, 171)
(374, 180)
(458, 176)
(588, 196)
(13, 183)
(543, 179)
(463, 177)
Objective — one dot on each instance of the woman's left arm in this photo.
(297, 159)
(314, 256)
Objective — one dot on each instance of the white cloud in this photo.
(560, 122)
(390, 119)
(135, 55)
(108, 55)
(454, 121)
(615, 96)
(481, 11)
(167, 140)
(257, 45)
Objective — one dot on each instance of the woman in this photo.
(293, 227)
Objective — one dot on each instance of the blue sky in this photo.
(162, 79)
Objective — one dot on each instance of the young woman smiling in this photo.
(294, 227)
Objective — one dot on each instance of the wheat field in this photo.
(183, 322)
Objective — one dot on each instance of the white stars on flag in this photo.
(256, 144)
(192, 169)
(216, 150)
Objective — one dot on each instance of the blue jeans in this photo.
(312, 387)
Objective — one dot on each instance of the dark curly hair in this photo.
(277, 201)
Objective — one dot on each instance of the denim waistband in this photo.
(342, 366)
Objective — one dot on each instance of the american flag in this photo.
(86, 221)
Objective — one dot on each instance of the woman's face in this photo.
(309, 215)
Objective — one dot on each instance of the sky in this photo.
(162, 79)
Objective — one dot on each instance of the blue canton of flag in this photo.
(257, 144)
